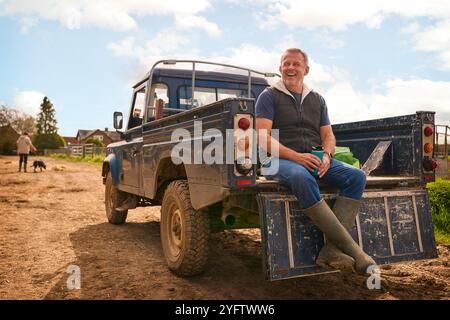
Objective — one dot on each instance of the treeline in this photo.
(43, 129)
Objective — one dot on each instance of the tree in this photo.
(4, 116)
(46, 121)
(47, 133)
(18, 120)
(48, 141)
(97, 142)
(26, 124)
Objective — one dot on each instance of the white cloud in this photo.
(435, 39)
(251, 2)
(344, 103)
(26, 23)
(264, 21)
(124, 48)
(395, 97)
(338, 15)
(192, 21)
(244, 56)
(173, 45)
(330, 41)
(28, 101)
(392, 98)
(112, 14)
(411, 28)
(164, 43)
(269, 61)
(418, 94)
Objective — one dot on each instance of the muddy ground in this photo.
(54, 219)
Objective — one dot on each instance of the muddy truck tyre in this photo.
(112, 198)
(184, 231)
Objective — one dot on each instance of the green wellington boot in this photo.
(346, 210)
(322, 216)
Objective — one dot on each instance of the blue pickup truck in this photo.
(197, 198)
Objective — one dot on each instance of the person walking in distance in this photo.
(24, 145)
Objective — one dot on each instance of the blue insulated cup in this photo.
(318, 153)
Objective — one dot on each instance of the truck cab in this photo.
(169, 95)
(207, 110)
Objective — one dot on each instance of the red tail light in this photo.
(434, 164)
(244, 123)
(429, 164)
(428, 131)
(244, 182)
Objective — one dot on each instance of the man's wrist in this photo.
(291, 154)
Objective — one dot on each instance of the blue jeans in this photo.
(349, 180)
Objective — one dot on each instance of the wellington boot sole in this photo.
(330, 256)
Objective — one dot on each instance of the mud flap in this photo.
(392, 226)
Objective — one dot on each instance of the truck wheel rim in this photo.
(175, 232)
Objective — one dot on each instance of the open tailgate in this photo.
(392, 226)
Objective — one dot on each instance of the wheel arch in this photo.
(166, 172)
(111, 164)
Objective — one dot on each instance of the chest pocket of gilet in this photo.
(287, 114)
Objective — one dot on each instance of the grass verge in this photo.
(97, 159)
(439, 192)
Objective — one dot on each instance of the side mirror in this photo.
(118, 120)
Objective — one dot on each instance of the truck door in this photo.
(132, 151)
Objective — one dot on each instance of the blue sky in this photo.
(369, 59)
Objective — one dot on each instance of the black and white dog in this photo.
(39, 164)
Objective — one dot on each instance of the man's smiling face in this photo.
(293, 69)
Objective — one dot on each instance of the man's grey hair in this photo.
(296, 50)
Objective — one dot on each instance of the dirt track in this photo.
(54, 219)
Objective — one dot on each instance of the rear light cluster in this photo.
(428, 131)
(428, 148)
(243, 142)
(244, 123)
(429, 164)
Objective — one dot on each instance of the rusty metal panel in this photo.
(374, 227)
(291, 242)
(404, 231)
(391, 227)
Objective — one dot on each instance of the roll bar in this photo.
(194, 62)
